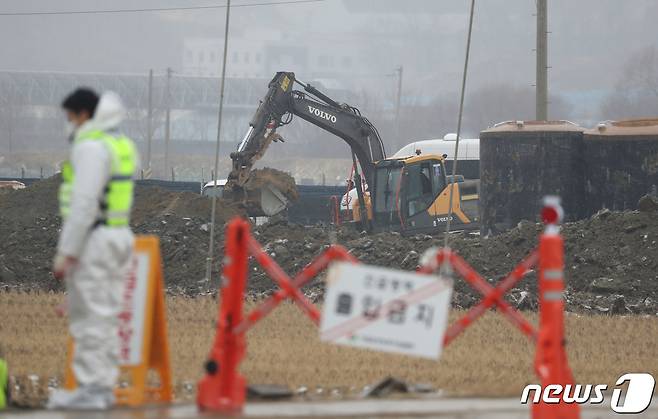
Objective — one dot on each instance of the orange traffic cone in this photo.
(551, 362)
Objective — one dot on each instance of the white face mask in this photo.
(69, 129)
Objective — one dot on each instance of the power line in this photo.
(154, 9)
(453, 182)
(213, 210)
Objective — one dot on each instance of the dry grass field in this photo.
(490, 359)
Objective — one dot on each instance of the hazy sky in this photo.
(590, 40)
(590, 45)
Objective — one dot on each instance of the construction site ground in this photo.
(611, 263)
(441, 408)
(612, 303)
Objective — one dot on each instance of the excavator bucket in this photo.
(267, 192)
(269, 200)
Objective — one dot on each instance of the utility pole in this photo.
(213, 210)
(541, 95)
(149, 126)
(167, 122)
(398, 99)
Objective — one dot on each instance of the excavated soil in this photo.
(156, 203)
(611, 258)
(249, 196)
(273, 177)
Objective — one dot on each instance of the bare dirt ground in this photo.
(489, 359)
(611, 268)
(611, 263)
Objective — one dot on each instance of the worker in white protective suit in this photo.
(95, 246)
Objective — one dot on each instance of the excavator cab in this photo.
(413, 195)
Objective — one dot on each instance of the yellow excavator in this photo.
(409, 194)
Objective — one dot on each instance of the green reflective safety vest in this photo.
(4, 377)
(117, 200)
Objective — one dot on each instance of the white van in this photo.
(469, 148)
(210, 190)
(468, 159)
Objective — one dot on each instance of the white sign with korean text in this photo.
(132, 315)
(385, 309)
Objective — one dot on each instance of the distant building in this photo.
(203, 57)
(248, 58)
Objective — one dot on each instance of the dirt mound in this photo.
(611, 264)
(273, 177)
(29, 227)
(648, 203)
(37, 200)
(184, 247)
(255, 196)
(40, 200)
(610, 259)
(155, 203)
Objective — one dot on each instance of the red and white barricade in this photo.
(223, 389)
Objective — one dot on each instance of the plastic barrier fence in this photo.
(223, 389)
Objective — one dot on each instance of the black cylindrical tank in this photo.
(621, 163)
(520, 163)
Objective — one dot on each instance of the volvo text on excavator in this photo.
(408, 194)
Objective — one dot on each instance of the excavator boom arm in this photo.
(315, 107)
(355, 130)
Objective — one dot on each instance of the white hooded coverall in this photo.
(95, 285)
